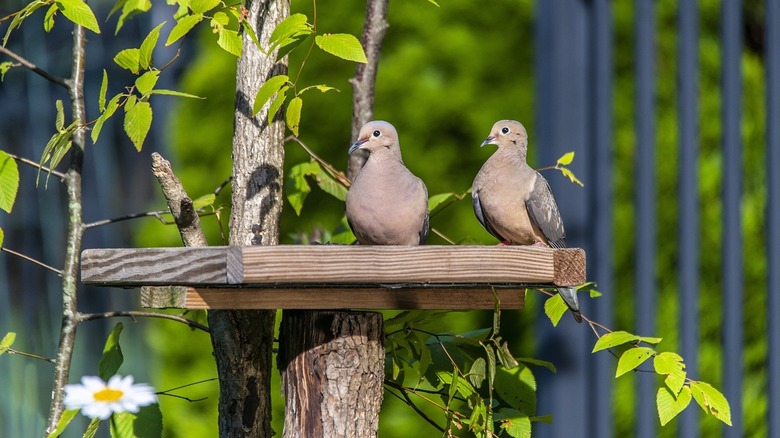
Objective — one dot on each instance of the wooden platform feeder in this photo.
(333, 276)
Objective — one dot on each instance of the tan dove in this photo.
(387, 204)
(514, 202)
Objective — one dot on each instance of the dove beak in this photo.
(356, 145)
(489, 140)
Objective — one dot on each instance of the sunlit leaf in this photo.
(183, 27)
(65, 419)
(9, 181)
(22, 15)
(147, 47)
(7, 341)
(129, 59)
(92, 428)
(566, 159)
(109, 111)
(146, 82)
(291, 30)
(80, 13)
(439, 202)
(131, 8)
(103, 90)
(175, 93)
(59, 120)
(4, 67)
(203, 6)
(112, 354)
(614, 339)
(632, 358)
(517, 387)
(138, 120)
(554, 308)
(220, 19)
(48, 19)
(147, 423)
(670, 406)
(330, 185)
(322, 88)
(296, 186)
(278, 102)
(293, 116)
(272, 86)
(231, 41)
(569, 174)
(343, 45)
(712, 401)
(671, 365)
(204, 201)
(513, 422)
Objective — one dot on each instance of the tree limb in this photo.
(32, 260)
(187, 219)
(32, 163)
(33, 68)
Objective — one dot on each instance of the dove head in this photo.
(508, 134)
(377, 137)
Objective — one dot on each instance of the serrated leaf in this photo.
(138, 120)
(220, 19)
(103, 90)
(632, 358)
(131, 8)
(146, 82)
(7, 341)
(9, 181)
(92, 428)
(343, 45)
(147, 423)
(48, 19)
(147, 47)
(278, 102)
(112, 354)
(292, 29)
(272, 86)
(65, 419)
(293, 115)
(109, 111)
(671, 365)
(175, 93)
(517, 387)
(670, 406)
(650, 340)
(478, 371)
(514, 423)
(22, 15)
(712, 401)
(183, 26)
(231, 41)
(554, 308)
(130, 102)
(80, 13)
(569, 174)
(614, 339)
(296, 186)
(542, 363)
(129, 59)
(203, 6)
(59, 120)
(321, 88)
(4, 67)
(330, 185)
(204, 201)
(566, 159)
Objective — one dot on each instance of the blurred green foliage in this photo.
(446, 74)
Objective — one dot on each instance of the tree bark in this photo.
(243, 339)
(332, 366)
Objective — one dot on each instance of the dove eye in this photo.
(377, 134)
(505, 130)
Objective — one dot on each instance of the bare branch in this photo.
(32, 163)
(34, 356)
(32, 260)
(338, 175)
(35, 69)
(141, 314)
(440, 234)
(183, 211)
(156, 214)
(188, 385)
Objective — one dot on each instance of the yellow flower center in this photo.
(108, 395)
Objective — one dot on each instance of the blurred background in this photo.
(664, 104)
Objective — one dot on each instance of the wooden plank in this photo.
(318, 298)
(331, 264)
(133, 267)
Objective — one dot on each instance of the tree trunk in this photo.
(242, 339)
(332, 366)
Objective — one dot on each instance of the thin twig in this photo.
(140, 314)
(35, 69)
(191, 400)
(219, 189)
(157, 214)
(32, 260)
(34, 356)
(189, 384)
(406, 399)
(32, 163)
(176, 56)
(440, 234)
(339, 176)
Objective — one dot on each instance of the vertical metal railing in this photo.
(731, 56)
(688, 201)
(645, 217)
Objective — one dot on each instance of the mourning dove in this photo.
(514, 202)
(387, 204)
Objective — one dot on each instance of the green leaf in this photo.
(343, 45)
(4, 67)
(59, 121)
(109, 111)
(112, 354)
(129, 59)
(293, 116)
(231, 41)
(321, 88)
(343, 233)
(542, 363)
(330, 185)
(278, 102)
(669, 406)
(632, 358)
(203, 6)
(477, 372)
(204, 201)
(272, 86)
(554, 308)
(220, 19)
(517, 387)
(138, 120)
(22, 15)
(175, 93)
(65, 419)
(291, 30)
(649, 340)
(48, 19)
(131, 8)
(103, 90)
(712, 401)
(92, 428)
(2, 237)
(434, 3)
(147, 423)
(183, 27)
(505, 356)
(147, 47)
(566, 159)
(439, 202)
(514, 423)
(296, 186)
(251, 32)
(569, 174)
(79, 12)
(146, 82)
(614, 339)
(7, 341)
(671, 365)
(9, 181)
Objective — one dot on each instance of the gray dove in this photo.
(514, 202)
(387, 204)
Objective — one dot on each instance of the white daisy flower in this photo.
(98, 399)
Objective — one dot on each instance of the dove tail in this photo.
(569, 295)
